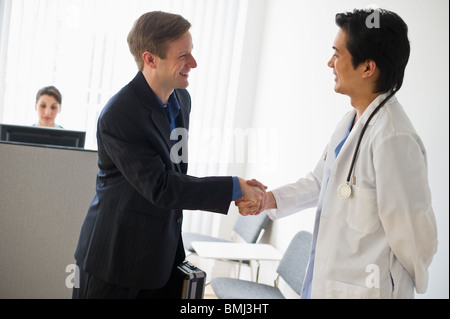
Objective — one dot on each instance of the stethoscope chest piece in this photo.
(344, 191)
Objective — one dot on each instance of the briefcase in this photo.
(192, 281)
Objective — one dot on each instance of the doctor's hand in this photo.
(253, 201)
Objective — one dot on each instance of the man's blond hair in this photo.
(152, 32)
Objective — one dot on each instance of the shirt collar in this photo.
(172, 101)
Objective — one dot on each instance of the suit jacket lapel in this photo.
(148, 100)
(183, 121)
(185, 104)
(158, 116)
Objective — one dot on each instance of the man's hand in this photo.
(254, 197)
(247, 207)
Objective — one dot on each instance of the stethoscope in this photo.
(345, 190)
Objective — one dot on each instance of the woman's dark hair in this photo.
(51, 91)
(379, 35)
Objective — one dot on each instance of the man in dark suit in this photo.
(130, 242)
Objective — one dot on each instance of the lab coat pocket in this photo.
(362, 214)
(340, 290)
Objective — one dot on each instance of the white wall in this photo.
(294, 97)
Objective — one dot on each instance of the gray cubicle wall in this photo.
(44, 196)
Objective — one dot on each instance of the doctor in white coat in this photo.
(376, 237)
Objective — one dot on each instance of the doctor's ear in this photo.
(369, 67)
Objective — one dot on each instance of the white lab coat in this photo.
(379, 242)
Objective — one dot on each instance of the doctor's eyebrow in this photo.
(336, 49)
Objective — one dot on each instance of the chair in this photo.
(292, 269)
(248, 228)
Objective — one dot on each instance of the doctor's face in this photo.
(347, 78)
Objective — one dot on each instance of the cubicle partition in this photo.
(44, 196)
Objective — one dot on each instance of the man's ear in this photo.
(149, 59)
(370, 67)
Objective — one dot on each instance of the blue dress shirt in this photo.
(171, 108)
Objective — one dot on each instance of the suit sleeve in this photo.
(137, 154)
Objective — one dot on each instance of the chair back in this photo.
(249, 228)
(292, 267)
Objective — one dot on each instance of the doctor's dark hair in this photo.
(153, 32)
(379, 35)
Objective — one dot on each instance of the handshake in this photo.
(254, 198)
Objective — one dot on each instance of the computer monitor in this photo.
(42, 135)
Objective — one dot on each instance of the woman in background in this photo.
(48, 106)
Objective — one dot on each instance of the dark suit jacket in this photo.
(131, 236)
